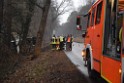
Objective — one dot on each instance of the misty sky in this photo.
(76, 5)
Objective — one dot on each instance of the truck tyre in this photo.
(90, 71)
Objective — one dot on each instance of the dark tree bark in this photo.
(42, 27)
(7, 18)
(1, 14)
(25, 26)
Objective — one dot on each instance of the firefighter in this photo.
(13, 44)
(68, 44)
(71, 41)
(64, 43)
(57, 43)
(53, 42)
(61, 42)
(17, 44)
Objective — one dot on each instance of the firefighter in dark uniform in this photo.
(61, 42)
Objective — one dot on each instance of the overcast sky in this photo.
(76, 4)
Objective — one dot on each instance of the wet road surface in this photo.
(76, 59)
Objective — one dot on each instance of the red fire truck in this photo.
(104, 40)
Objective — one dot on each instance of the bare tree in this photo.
(61, 8)
(58, 8)
(42, 27)
(7, 20)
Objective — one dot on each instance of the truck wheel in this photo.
(90, 71)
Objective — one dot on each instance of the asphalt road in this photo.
(76, 59)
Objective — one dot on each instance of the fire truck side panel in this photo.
(96, 65)
(90, 33)
(89, 36)
(110, 69)
(97, 42)
(110, 66)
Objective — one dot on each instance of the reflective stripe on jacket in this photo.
(61, 39)
(58, 41)
(69, 39)
(53, 40)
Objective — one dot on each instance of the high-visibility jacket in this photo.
(69, 39)
(58, 40)
(72, 39)
(61, 38)
(120, 35)
(53, 40)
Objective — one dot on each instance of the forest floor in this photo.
(49, 67)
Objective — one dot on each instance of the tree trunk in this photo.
(7, 18)
(42, 28)
(1, 14)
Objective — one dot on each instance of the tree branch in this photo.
(36, 4)
(61, 9)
